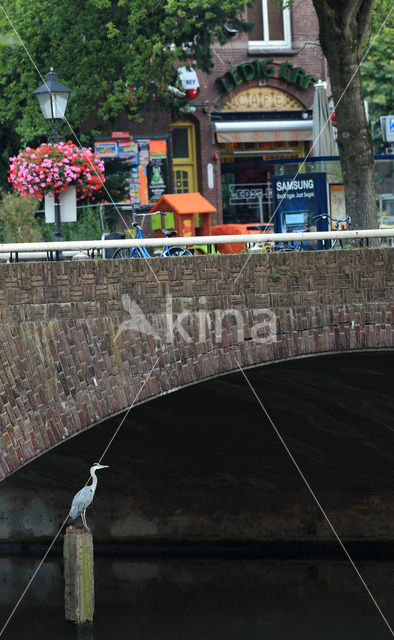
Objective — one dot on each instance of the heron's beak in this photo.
(103, 466)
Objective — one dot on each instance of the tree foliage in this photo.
(116, 55)
(87, 226)
(377, 70)
(17, 219)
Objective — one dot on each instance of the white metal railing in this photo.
(89, 245)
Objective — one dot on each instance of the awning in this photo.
(263, 130)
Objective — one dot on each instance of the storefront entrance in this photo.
(254, 127)
(246, 170)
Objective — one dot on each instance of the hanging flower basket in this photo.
(52, 168)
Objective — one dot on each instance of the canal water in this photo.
(204, 599)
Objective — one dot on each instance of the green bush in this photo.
(17, 219)
(20, 223)
(87, 227)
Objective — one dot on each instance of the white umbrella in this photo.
(323, 137)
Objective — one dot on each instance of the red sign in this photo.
(120, 135)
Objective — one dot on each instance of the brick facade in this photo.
(305, 52)
(64, 367)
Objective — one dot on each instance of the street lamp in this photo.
(53, 97)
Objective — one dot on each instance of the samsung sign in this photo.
(286, 188)
(299, 199)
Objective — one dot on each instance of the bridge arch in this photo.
(81, 342)
(204, 464)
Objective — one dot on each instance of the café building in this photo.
(253, 110)
(250, 112)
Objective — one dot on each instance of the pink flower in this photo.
(36, 172)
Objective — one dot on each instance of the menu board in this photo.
(148, 174)
(143, 148)
(128, 151)
(337, 204)
(157, 170)
(106, 149)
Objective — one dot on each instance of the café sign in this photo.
(262, 99)
(266, 68)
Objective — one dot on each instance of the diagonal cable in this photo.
(313, 495)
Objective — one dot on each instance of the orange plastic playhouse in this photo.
(188, 213)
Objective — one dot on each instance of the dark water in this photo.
(205, 599)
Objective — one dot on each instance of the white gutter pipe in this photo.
(262, 238)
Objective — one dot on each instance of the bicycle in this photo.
(339, 224)
(263, 246)
(266, 247)
(295, 245)
(142, 252)
(306, 245)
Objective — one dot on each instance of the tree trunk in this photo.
(342, 30)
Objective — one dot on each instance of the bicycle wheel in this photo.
(125, 253)
(136, 253)
(171, 252)
(121, 253)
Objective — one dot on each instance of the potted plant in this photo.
(52, 168)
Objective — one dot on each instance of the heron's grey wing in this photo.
(81, 501)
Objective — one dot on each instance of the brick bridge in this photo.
(81, 341)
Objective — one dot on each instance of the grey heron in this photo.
(85, 496)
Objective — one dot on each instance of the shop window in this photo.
(272, 29)
(246, 171)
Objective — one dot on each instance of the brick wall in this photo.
(64, 368)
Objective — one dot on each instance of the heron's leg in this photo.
(85, 524)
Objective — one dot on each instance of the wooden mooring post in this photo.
(78, 576)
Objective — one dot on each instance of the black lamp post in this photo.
(53, 97)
